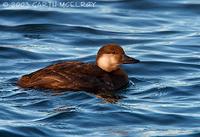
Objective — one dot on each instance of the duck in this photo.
(105, 74)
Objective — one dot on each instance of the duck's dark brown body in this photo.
(75, 76)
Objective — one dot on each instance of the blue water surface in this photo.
(163, 97)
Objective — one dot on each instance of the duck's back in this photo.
(69, 76)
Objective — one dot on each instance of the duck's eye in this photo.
(114, 52)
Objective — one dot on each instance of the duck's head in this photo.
(110, 56)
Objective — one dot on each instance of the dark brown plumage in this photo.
(82, 76)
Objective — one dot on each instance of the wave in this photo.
(162, 98)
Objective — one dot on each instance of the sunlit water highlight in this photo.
(162, 99)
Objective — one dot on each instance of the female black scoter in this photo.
(104, 75)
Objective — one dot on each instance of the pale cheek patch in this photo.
(113, 60)
(103, 61)
(108, 62)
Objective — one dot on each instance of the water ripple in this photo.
(162, 98)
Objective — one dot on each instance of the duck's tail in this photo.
(24, 82)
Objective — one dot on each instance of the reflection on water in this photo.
(162, 98)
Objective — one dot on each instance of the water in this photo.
(163, 97)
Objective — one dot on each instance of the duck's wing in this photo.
(84, 76)
(67, 76)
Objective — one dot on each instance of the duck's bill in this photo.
(129, 60)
